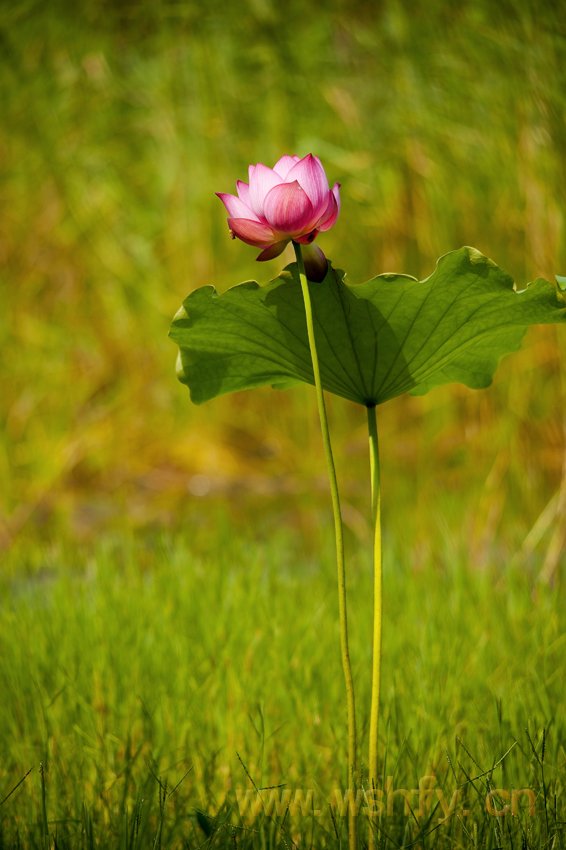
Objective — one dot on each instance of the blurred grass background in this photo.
(445, 126)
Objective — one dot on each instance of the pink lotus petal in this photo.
(236, 207)
(307, 238)
(283, 166)
(273, 251)
(336, 193)
(288, 209)
(330, 215)
(253, 232)
(243, 192)
(262, 179)
(312, 178)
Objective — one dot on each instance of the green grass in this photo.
(148, 680)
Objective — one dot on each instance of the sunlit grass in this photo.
(144, 663)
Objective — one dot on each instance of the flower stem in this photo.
(338, 530)
(377, 605)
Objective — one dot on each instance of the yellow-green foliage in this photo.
(444, 125)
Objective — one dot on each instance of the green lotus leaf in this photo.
(376, 340)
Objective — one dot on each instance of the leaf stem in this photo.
(340, 563)
(377, 604)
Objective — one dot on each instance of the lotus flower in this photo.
(292, 200)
